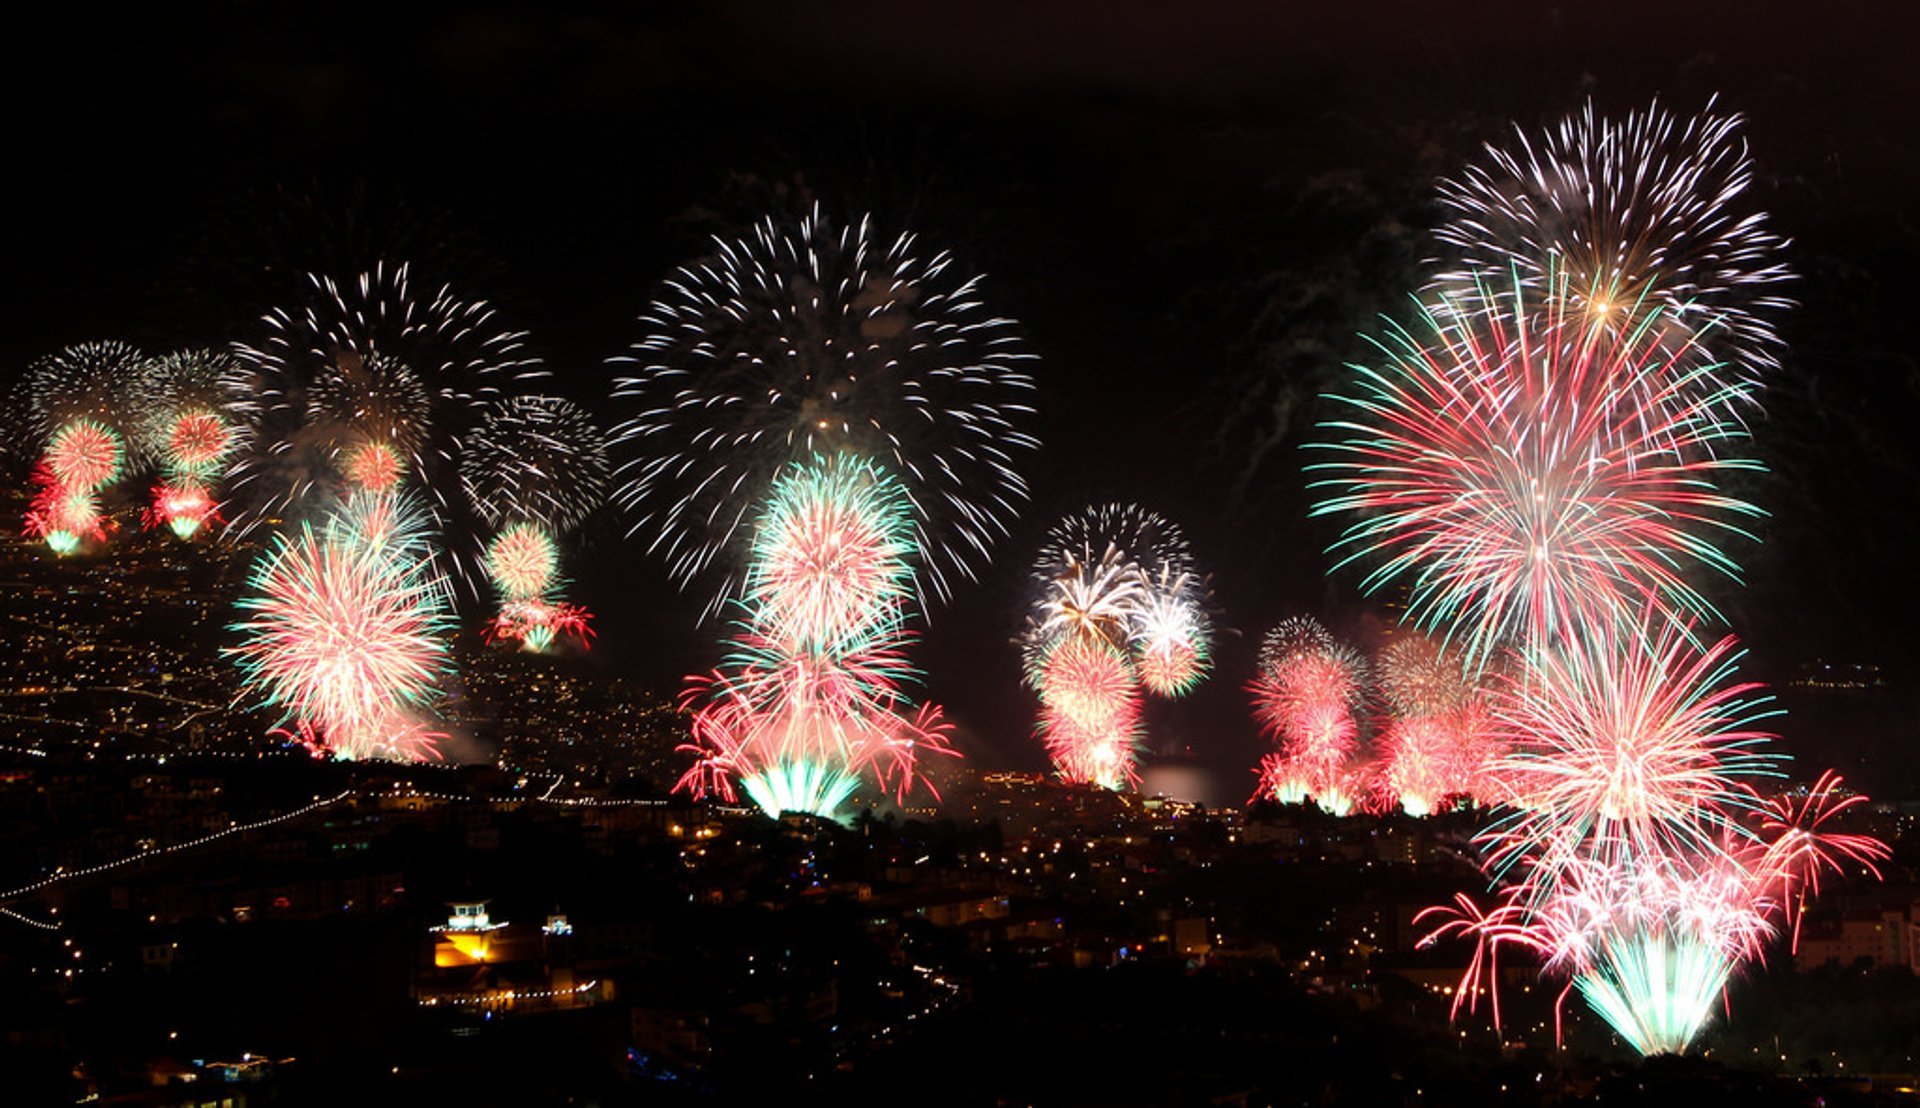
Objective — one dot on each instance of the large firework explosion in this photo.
(1305, 696)
(345, 630)
(811, 698)
(189, 425)
(1641, 209)
(365, 386)
(1527, 473)
(804, 338)
(1637, 857)
(533, 469)
(1119, 606)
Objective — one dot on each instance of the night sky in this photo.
(1192, 209)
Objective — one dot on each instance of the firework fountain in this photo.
(824, 433)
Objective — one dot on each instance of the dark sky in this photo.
(1192, 209)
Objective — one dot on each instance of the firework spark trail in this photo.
(346, 630)
(1641, 209)
(1528, 475)
(802, 339)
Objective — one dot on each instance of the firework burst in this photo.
(1120, 606)
(1529, 474)
(345, 630)
(365, 386)
(1645, 209)
(811, 699)
(802, 339)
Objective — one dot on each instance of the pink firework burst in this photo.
(1090, 712)
(84, 455)
(522, 562)
(1636, 740)
(1530, 473)
(345, 630)
(183, 507)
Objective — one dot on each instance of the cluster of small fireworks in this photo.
(1305, 696)
(810, 698)
(189, 427)
(80, 405)
(364, 387)
(850, 407)
(1540, 463)
(1437, 743)
(346, 630)
(1120, 607)
(802, 339)
(535, 467)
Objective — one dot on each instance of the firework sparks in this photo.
(364, 386)
(1305, 695)
(1120, 606)
(1529, 474)
(811, 699)
(804, 339)
(345, 631)
(1639, 861)
(1643, 210)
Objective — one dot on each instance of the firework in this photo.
(62, 517)
(798, 731)
(84, 455)
(1637, 857)
(345, 630)
(183, 507)
(1172, 637)
(1637, 740)
(1645, 210)
(1305, 695)
(811, 698)
(1528, 474)
(364, 386)
(1119, 607)
(537, 624)
(1090, 705)
(535, 459)
(98, 382)
(1650, 940)
(802, 339)
(830, 554)
(189, 425)
(1419, 677)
